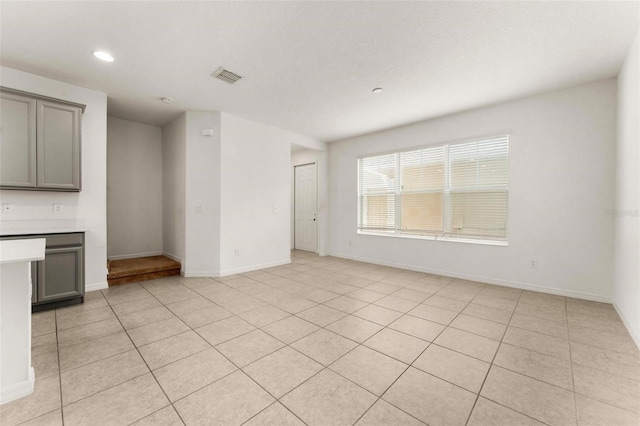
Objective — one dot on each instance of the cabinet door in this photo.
(17, 140)
(58, 146)
(61, 274)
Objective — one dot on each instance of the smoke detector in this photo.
(226, 75)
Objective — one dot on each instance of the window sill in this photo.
(436, 238)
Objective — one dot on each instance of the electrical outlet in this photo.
(58, 208)
(533, 264)
(237, 252)
(7, 208)
(199, 209)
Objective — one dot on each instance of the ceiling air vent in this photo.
(226, 75)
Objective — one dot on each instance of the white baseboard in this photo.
(488, 280)
(226, 272)
(171, 256)
(18, 390)
(632, 331)
(223, 273)
(200, 274)
(96, 286)
(131, 256)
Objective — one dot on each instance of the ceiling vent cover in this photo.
(226, 75)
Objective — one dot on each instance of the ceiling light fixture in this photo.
(377, 90)
(167, 100)
(104, 56)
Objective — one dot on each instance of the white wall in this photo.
(134, 189)
(87, 209)
(202, 212)
(174, 154)
(226, 192)
(562, 161)
(626, 290)
(308, 156)
(255, 195)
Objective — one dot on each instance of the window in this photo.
(459, 190)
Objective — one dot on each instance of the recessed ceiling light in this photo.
(167, 100)
(103, 55)
(377, 90)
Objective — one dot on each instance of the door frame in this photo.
(295, 200)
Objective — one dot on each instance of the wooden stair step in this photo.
(124, 271)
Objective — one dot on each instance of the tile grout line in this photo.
(406, 369)
(240, 369)
(492, 363)
(429, 345)
(147, 365)
(235, 365)
(573, 377)
(59, 368)
(327, 366)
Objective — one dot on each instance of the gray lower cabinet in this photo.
(58, 280)
(60, 274)
(40, 142)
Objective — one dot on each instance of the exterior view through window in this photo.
(452, 191)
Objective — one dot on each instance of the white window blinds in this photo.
(377, 190)
(458, 190)
(422, 190)
(479, 173)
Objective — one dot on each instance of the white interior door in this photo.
(306, 208)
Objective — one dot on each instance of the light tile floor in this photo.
(326, 341)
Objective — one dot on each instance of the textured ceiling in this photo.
(310, 67)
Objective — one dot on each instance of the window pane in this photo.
(480, 164)
(479, 213)
(422, 212)
(423, 175)
(423, 169)
(377, 177)
(378, 174)
(378, 211)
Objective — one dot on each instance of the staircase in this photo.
(124, 271)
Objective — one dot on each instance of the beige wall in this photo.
(134, 189)
(626, 268)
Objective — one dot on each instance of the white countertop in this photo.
(14, 251)
(32, 227)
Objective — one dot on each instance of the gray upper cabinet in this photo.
(17, 141)
(58, 146)
(40, 141)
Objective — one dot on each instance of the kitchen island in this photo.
(17, 376)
